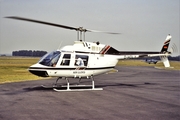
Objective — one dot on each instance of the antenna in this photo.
(60, 45)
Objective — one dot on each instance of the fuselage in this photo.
(83, 59)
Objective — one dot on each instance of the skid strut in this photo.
(55, 85)
(68, 88)
(77, 87)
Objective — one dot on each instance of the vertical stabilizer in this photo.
(164, 49)
(166, 44)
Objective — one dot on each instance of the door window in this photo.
(66, 59)
(81, 60)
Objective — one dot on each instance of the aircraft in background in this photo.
(153, 61)
(85, 59)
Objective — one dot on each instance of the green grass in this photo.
(15, 69)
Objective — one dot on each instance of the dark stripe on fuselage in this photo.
(54, 68)
(42, 71)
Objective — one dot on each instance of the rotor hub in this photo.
(81, 29)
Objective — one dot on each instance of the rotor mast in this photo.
(81, 33)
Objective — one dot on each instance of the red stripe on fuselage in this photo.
(105, 49)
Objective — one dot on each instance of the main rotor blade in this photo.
(88, 30)
(81, 29)
(42, 22)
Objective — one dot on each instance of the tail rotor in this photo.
(173, 48)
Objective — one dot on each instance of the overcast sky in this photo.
(144, 24)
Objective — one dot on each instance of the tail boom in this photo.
(163, 54)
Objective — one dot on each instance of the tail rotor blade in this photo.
(174, 48)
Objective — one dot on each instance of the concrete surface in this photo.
(134, 93)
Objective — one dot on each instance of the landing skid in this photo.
(69, 87)
(90, 89)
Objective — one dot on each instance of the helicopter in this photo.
(85, 59)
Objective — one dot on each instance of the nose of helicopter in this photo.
(38, 70)
(40, 73)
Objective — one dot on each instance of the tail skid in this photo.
(165, 61)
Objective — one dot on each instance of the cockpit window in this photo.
(50, 59)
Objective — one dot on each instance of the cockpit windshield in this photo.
(50, 59)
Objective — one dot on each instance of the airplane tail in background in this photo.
(164, 49)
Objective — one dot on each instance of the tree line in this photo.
(31, 53)
(176, 58)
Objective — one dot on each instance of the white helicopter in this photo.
(85, 59)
